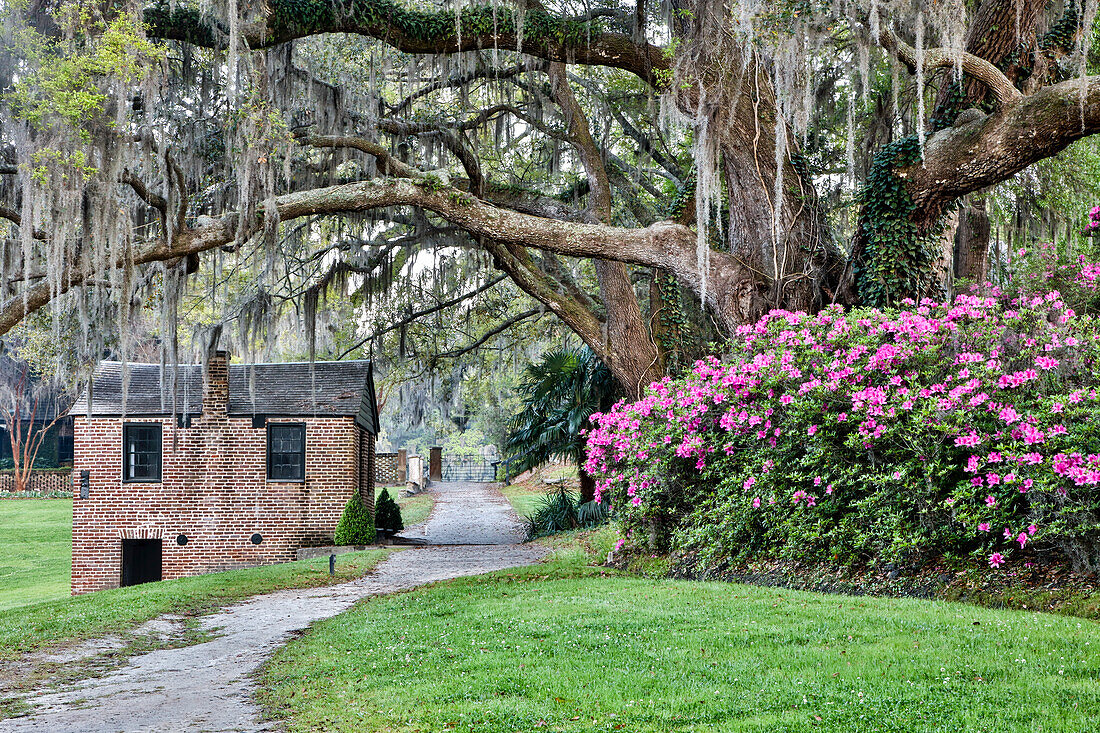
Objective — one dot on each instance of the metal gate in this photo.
(469, 469)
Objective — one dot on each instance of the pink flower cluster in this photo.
(983, 384)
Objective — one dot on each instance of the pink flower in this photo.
(1032, 529)
(636, 500)
(996, 560)
(756, 503)
(811, 430)
(990, 500)
(829, 489)
(1022, 539)
(1007, 533)
(748, 483)
(983, 527)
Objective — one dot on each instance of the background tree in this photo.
(29, 408)
(560, 393)
(652, 175)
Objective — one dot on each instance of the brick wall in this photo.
(41, 481)
(213, 489)
(385, 468)
(367, 469)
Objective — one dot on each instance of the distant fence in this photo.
(45, 482)
(469, 469)
(385, 468)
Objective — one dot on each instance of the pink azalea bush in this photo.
(1046, 266)
(967, 431)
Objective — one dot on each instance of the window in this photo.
(286, 452)
(141, 452)
(65, 450)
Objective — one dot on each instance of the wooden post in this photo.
(435, 464)
(402, 467)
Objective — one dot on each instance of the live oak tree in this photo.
(648, 173)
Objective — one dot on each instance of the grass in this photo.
(75, 618)
(567, 647)
(526, 496)
(414, 509)
(35, 541)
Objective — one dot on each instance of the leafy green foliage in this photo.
(539, 27)
(897, 262)
(356, 527)
(874, 437)
(560, 393)
(387, 515)
(561, 511)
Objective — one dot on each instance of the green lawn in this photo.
(565, 647)
(35, 556)
(414, 509)
(93, 614)
(526, 496)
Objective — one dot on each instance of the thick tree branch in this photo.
(154, 200)
(664, 244)
(967, 158)
(483, 27)
(387, 163)
(939, 58)
(545, 288)
(7, 212)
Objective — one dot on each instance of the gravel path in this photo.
(208, 687)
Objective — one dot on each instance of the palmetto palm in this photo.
(560, 393)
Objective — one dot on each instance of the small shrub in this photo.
(387, 515)
(561, 511)
(591, 513)
(355, 526)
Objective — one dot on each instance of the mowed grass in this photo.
(74, 618)
(564, 647)
(35, 557)
(525, 497)
(414, 509)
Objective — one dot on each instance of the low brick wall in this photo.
(385, 469)
(45, 482)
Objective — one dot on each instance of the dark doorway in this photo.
(140, 561)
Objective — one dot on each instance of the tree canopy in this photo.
(652, 174)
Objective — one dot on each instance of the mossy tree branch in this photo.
(482, 27)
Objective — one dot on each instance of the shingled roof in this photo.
(286, 390)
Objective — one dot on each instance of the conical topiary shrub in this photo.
(387, 515)
(355, 526)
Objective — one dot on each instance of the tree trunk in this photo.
(972, 241)
(588, 485)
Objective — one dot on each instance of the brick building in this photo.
(254, 462)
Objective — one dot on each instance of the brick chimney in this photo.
(215, 389)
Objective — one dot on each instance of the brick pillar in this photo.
(402, 467)
(435, 464)
(215, 390)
